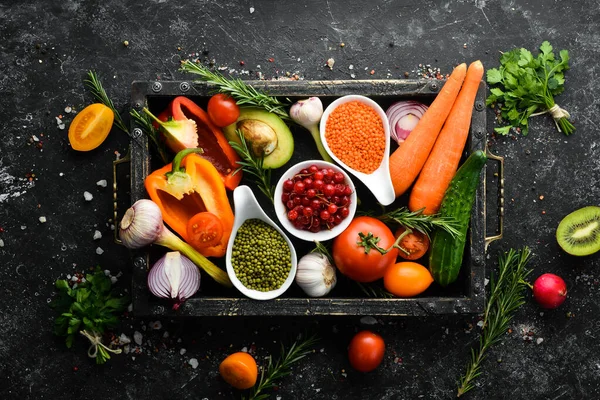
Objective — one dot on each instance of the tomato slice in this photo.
(204, 230)
(415, 243)
(90, 127)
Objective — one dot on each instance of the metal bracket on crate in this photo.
(490, 239)
(115, 163)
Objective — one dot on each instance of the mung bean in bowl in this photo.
(261, 260)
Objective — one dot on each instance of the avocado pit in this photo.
(261, 137)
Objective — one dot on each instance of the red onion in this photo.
(174, 276)
(403, 117)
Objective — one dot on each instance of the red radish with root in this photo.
(550, 291)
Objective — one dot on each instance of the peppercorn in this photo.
(261, 257)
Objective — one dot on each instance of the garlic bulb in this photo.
(315, 275)
(141, 225)
(174, 276)
(308, 113)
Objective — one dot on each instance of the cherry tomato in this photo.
(239, 370)
(350, 257)
(407, 279)
(415, 243)
(90, 127)
(204, 230)
(222, 110)
(366, 351)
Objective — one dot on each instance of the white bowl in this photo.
(246, 207)
(281, 210)
(379, 182)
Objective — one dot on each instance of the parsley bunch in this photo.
(525, 84)
(90, 309)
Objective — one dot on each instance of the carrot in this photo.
(441, 165)
(406, 162)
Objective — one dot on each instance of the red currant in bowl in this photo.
(319, 187)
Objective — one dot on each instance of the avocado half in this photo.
(285, 141)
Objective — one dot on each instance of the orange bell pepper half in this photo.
(207, 136)
(191, 185)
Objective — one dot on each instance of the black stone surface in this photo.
(47, 47)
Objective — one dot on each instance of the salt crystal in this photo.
(124, 339)
(182, 351)
(61, 174)
(539, 340)
(23, 227)
(137, 338)
(106, 272)
(166, 335)
(1, 243)
(251, 10)
(102, 183)
(245, 349)
(69, 276)
(74, 278)
(480, 324)
(352, 76)
(193, 362)
(87, 196)
(42, 219)
(130, 307)
(486, 281)
(99, 250)
(68, 109)
(330, 63)
(113, 279)
(35, 138)
(97, 235)
(156, 325)
(368, 321)
(351, 66)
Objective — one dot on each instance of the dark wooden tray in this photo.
(464, 296)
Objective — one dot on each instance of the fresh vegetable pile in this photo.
(404, 250)
(243, 135)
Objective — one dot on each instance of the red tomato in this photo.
(350, 257)
(365, 351)
(415, 243)
(222, 110)
(204, 230)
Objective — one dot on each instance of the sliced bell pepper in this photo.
(191, 185)
(210, 138)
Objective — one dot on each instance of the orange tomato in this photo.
(90, 127)
(239, 370)
(407, 279)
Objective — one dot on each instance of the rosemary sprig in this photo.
(145, 124)
(416, 220)
(243, 93)
(95, 86)
(274, 371)
(253, 166)
(506, 296)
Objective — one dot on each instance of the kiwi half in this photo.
(579, 232)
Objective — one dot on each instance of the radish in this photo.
(550, 291)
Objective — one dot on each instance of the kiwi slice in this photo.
(579, 232)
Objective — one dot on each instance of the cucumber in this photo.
(446, 253)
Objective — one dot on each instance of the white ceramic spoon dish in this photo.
(246, 207)
(281, 210)
(379, 181)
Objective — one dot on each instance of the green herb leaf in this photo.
(524, 82)
(91, 307)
